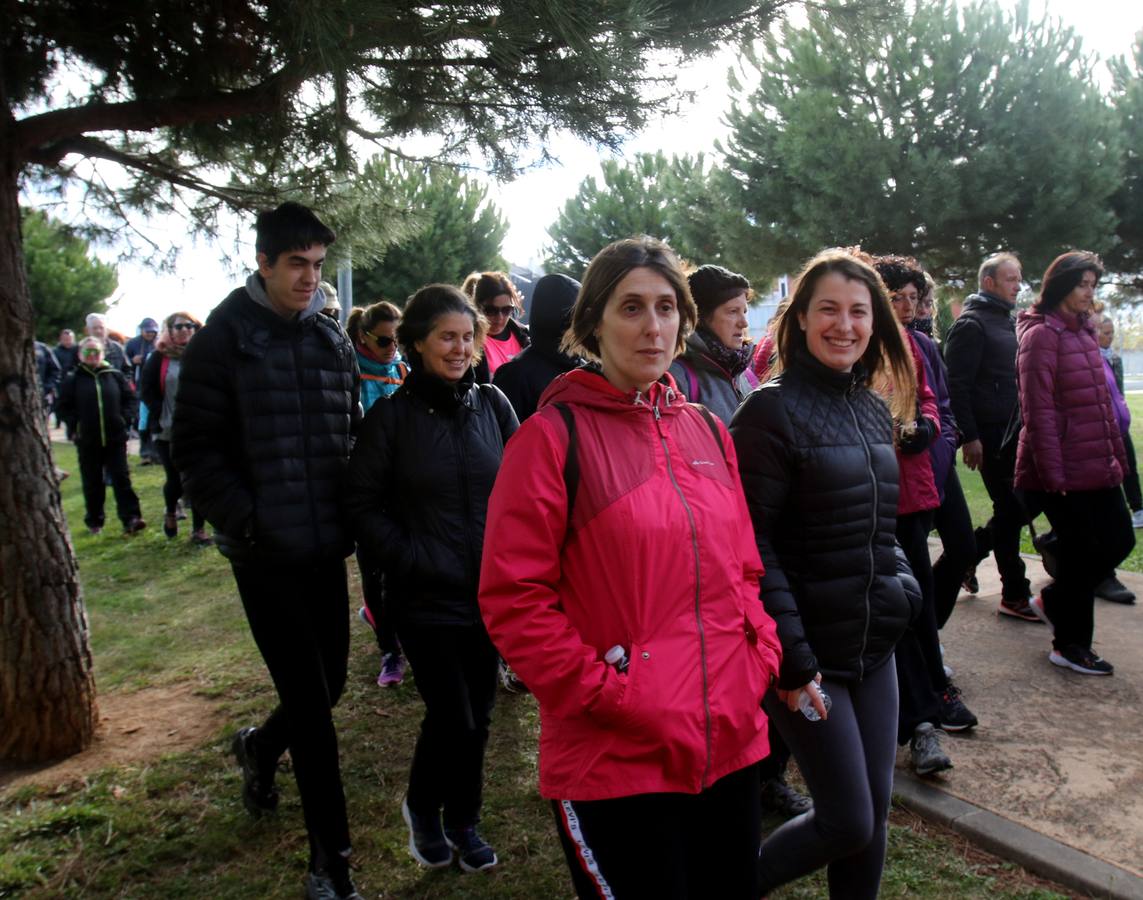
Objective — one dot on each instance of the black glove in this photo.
(919, 440)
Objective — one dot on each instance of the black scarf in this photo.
(733, 361)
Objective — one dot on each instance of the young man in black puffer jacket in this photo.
(266, 405)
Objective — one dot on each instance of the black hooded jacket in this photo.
(261, 432)
(524, 378)
(97, 405)
(980, 353)
(420, 477)
(815, 451)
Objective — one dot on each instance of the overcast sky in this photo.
(206, 273)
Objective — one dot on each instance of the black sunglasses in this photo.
(184, 326)
(497, 311)
(382, 341)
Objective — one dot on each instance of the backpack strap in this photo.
(571, 458)
(713, 426)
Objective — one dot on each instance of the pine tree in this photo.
(190, 107)
(947, 135)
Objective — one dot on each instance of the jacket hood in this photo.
(587, 386)
(256, 288)
(984, 301)
(552, 302)
(1057, 319)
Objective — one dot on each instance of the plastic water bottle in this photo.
(806, 705)
(617, 657)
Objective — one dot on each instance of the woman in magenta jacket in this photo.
(1070, 460)
(650, 765)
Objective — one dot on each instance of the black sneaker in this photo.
(259, 795)
(780, 798)
(1080, 659)
(473, 854)
(925, 749)
(1115, 591)
(427, 842)
(955, 716)
(970, 583)
(324, 885)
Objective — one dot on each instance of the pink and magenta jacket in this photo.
(659, 558)
(1071, 439)
(918, 486)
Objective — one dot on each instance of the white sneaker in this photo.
(1137, 519)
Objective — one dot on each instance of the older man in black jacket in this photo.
(980, 352)
(266, 403)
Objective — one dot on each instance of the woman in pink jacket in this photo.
(622, 587)
(1070, 460)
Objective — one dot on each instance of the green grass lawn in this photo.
(164, 612)
(981, 506)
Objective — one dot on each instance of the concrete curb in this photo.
(1034, 851)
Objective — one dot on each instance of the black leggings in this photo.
(1094, 534)
(373, 592)
(847, 762)
(920, 672)
(954, 525)
(455, 669)
(173, 486)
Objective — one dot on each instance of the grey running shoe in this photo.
(779, 797)
(1080, 659)
(1115, 591)
(925, 749)
(326, 886)
(259, 795)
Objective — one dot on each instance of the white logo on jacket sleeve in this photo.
(701, 462)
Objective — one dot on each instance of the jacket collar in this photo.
(436, 393)
(808, 366)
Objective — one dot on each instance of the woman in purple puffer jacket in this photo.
(1070, 460)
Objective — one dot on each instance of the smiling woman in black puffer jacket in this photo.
(815, 449)
(420, 477)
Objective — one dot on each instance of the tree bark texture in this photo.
(47, 690)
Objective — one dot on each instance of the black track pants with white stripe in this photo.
(666, 846)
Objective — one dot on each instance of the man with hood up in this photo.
(524, 377)
(266, 404)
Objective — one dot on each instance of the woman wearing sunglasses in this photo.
(373, 330)
(496, 296)
(157, 385)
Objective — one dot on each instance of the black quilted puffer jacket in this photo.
(815, 450)
(261, 433)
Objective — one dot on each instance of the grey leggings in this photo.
(847, 762)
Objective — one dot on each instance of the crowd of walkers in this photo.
(706, 555)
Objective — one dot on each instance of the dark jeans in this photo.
(299, 617)
(1001, 535)
(173, 486)
(666, 846)
(373, 592)
(1131, 476)
(1094, 534)
(93, 460)
(920, 673)
(454, 668)
(954, 525)
(847, 761)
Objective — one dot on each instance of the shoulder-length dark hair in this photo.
(491, 285)
(887, 361)
(423, 310)
(1065, 272)
(605, 271)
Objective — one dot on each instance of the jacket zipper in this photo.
(99, 404)
(465, 498)
(698, 589)
(297, 338)
(872, 535)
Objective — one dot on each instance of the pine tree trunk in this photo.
(47, 691)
